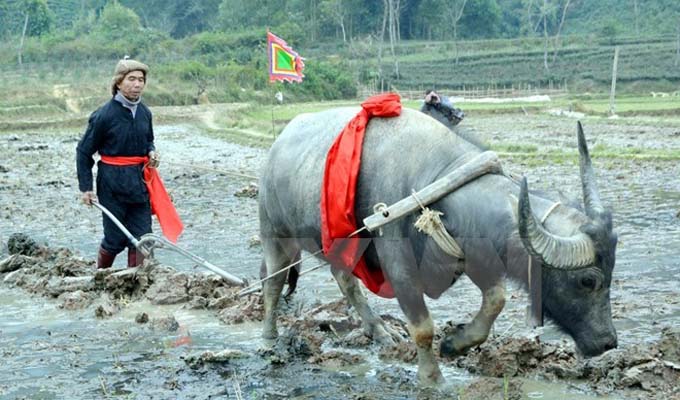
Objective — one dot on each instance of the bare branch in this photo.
(559, 30)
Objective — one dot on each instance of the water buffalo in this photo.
(498, 223)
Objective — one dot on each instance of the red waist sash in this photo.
(338, 193)
(161, 205)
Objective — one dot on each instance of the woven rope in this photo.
(430, 223)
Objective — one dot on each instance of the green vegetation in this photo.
(215, 50)
(600, 152)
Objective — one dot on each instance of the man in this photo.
(121, 131)
(441, 109)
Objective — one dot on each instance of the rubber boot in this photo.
(104, 259)
(135, 258)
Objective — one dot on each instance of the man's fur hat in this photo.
(124, 67)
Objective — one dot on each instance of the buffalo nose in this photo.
(611, 345)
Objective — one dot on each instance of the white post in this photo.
(612, 94)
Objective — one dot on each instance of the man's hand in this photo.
(432, 98)
(154, 159)
(88, 197)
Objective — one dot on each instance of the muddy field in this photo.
(169, 330)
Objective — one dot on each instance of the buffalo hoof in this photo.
(384, 335)
(270, 334)
(455, 344)
(430, 376)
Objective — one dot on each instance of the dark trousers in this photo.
(136, 217)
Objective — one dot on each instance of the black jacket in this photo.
(112, 131)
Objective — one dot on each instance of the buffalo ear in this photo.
(570, 201)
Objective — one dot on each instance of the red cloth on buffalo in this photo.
(161, 205)
(338, 220)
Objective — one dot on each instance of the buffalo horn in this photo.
(559, 252)
(591, 197)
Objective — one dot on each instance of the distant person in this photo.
(441, 109)
(128, 184)
(433, 98)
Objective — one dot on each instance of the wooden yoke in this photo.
(483, 163)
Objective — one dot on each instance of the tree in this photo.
(610, 29)
(431, 20)
(117, 22)
(156, 14)
(193, 16)
(392, 7)
(454, 11)
(556, 46)
(546, 11)
(40, 17)
(551, 26)
(313, 17)
(337, 11)
(380, 45)
(677, 46)
(512, 18)
(528, 24)
(636, 10)
(38, 20)
(482, 19)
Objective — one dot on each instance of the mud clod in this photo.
(249, 191)
(492, 389)
(329, 335)
(224, 356)
(20, 243)
(142, 318)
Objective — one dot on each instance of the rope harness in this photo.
(430, 223)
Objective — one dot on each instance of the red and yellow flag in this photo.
(284, 63)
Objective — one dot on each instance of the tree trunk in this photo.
(397, 20)
(637, 18)
(677, 48)
(380, 46)
(545, 34)
(455, 43)
(312, 33)
(458, 14)
(529, 24)
(339, 14)
(393, 36)
(23, 36)
(559, 31)
(342, 26)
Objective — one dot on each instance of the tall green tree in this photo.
(235, 15)
(40, 17)
(430, 21)
(338, 13)
(482, 19)
(7, 12)
(192, 16)
(118, 22)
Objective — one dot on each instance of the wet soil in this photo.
(170, 330)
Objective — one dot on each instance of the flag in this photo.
(284, 63)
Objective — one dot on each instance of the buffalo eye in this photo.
(588, 282)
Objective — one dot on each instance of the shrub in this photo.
(118, 22)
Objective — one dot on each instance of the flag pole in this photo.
(273, 100)
(285, 65)
(271, 90)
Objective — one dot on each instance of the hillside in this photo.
(582, 64)
(214, 52)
